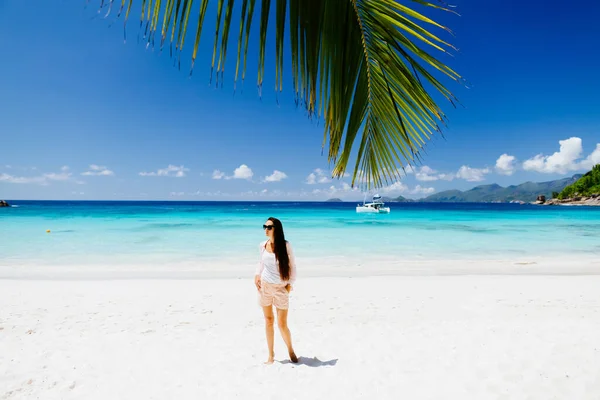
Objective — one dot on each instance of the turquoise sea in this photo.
(219, 235)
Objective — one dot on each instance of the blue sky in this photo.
(85, 116)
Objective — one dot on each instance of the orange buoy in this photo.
(47, 230)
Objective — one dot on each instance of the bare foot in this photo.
(293, 357)
(270, 359)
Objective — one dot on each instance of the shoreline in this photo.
(312, 268)
(587, 203)
(592, 201)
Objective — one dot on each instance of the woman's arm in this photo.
(259, 268)
(290, 252)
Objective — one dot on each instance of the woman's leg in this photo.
(285, 333)
(269, 320)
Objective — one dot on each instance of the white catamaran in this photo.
(376, 207)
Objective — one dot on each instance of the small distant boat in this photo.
(376, 207)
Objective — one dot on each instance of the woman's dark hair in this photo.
(280, 250)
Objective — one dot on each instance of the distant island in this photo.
(527, 192)
(399, 199)
(334, 200)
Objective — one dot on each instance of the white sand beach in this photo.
(387, 337)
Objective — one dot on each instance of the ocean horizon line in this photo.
(177, 201)
(11, 201)
(255, 201)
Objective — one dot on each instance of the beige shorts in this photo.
(274, 294)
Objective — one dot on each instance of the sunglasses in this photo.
(268, 227)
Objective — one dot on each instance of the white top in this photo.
(268, 267)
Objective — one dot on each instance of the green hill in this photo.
(587, 185)
(527, 192)
(446, 196)
(399, 199)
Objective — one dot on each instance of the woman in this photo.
(274, 278)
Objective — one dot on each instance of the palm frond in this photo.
(365, 66)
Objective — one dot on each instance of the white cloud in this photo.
(428, 174)
(446, 177)
(43, 179)
(217, 193)
(348, 188)
(562, 161)
(176, 194)
(21, 179)
(242, 172)
(263, 193)
(422, 190)
(566, 159)
(171, 170)
(218, 174)
(61, 176)
(337, 191)
(317, 176)
(472, 174)
(506, 165)
(17, 167)
(592, 159)
(98, 170)
(345, 191)
(396, 187)
(361, 177)
(276, 176)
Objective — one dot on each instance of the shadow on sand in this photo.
(312, 362)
